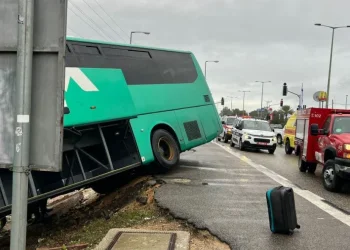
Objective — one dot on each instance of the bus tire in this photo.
(165, 150)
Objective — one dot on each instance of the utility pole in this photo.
(244, 91)
(262, 95)
(331, 55)
(231, 97)
(23, 107)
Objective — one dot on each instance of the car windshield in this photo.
(341, 125)
(256, 125)
(230, 121)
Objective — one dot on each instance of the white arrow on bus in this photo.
(80, 78)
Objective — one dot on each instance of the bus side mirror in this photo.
(314, 129)
(222, 122)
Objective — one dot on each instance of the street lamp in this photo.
(231, 99)
(330, 60)
(244, 91)
(262, 94)
(346, 102)
(205, 67)
(141, 32)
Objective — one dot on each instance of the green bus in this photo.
(125, 106)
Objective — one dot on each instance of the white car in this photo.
(253, 133)
(279, 132)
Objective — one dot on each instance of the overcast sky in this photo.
(254, 40)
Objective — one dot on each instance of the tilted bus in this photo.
(126, 106)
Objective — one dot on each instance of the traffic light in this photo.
(285, 89)
(281, 103)
(222, 101)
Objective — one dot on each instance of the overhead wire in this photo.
(116, 32)
(74, 32)
(100, 32)
(126, 34)
(97, 31)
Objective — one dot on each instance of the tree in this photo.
(229, 112)
(226, 111)
(287, 109)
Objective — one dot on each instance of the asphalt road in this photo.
(287, 166)
(223, 190)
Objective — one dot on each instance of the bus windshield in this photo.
(341, 125)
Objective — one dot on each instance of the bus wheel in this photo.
(165, 149)
(331, 181)
(287, 147)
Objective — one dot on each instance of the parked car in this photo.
(228, 123)
(253, 133)
(279, 132)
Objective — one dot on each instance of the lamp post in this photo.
(331, 54)
(346, 102)
(205, 67)
(231, 97)
(141, 32)
(244, 91)
(262, 94)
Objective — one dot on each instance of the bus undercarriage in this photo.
(90, 153)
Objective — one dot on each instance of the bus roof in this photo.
(77, 39)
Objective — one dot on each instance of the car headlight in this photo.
(274, 139)
(346, 155)
(347, 147)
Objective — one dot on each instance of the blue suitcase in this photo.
(281, 209)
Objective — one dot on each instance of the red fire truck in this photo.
(323, 136)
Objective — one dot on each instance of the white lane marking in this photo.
(306, 194)
(224, 170)
(232, 181)
(237, 185)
